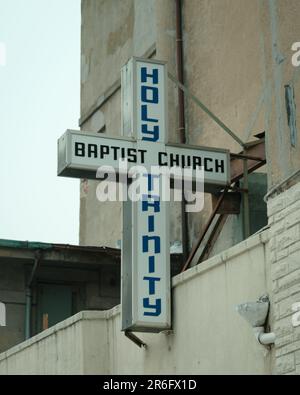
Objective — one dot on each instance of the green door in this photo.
(54, 304)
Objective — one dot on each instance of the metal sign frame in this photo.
(86, 168)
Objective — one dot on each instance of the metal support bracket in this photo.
(206, 110)
(135, 339)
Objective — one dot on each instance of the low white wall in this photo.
(208, 336)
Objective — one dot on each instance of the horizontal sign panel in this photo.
(81, 154)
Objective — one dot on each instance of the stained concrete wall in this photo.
(237, 60)
(208, 335)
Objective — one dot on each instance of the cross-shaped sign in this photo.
(145, 243)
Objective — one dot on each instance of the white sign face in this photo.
(81, 154)
(151, 249)
(151, 262)
(150, 107)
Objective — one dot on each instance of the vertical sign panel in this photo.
(150, 220)
(152, 271)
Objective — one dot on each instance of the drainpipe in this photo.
(27, 312)
(28, 295)
(264, 338)
(181, 119)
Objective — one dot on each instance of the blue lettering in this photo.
(145, 75)
(153, 134)
(145, 115)
(156, 307)
(155, 239)
(146, 204)
(154, 94)
(151, 177)
(151, 283)
(151, 223)
(151, 262)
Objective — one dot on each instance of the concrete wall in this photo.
(284, 219)
(208, 335)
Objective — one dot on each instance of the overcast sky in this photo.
(39, 100)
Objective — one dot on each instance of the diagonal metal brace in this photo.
(206, 110)
(135, 339)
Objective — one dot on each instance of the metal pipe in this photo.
(28, 295)
(246, 201)
(264, 338)
(179, 59)
(181, 121)
(267, 338)
(27, 312)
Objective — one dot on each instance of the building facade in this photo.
(42, 284)
(236, 57)
(239, 58)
